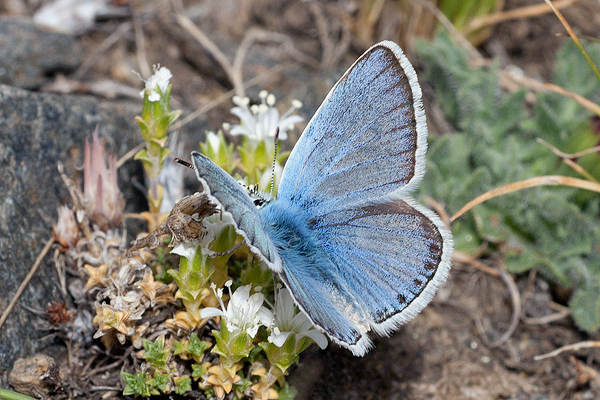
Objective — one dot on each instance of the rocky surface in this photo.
(36, 131)
(30, 54)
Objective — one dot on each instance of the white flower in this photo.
(186, 250)
(259, 122)
(213, 141)
(288, 321)
(160, 79)
(213, 225)
(244, 312)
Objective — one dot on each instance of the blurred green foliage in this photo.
(461, 12)
(552, 229)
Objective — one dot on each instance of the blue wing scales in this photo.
(371, 126)
(395, 255)
(371, 267)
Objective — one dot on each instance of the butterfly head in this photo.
(258, 197)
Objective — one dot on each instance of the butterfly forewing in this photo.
(233, 198)
(367, 140)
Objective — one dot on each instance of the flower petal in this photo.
(279, 339)
(187, 250)
(210, 312)
(319, 338)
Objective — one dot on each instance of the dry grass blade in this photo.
(34, 268)
(210, 46)
(590, 105)
(515, 297)
(571, 156)
(538, 86)
(567, 158)
(463, 258)
(548, 180)
(517, 13)
(127, 156)
(571, 347)
(575, 38)
(564, 312)
(456, 35)
(104, 46)
(225, 96)
(140, 41)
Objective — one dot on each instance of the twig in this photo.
(140, 41)
(590, 105)
(34, 268)
(60, 271)
(559, 153)
(548, 318)
(515, 297)
(105, 388)
(523, 80)
(331, 50)
(567, 158)
(104, 46)
(571, 347)
(213, 103)
(456, 35)
(539, 86)
(517, 13)
(109, 366)
(460, 257)
(88, 364)
(260, 35)
(439, 209)
(547, 180)
(575, 39)
(210, 46)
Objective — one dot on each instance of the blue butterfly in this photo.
(354, 249)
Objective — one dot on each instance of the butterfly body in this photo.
(356, 251)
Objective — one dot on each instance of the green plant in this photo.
(552, 229)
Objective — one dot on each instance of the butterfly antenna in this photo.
(184, 163)
(276, 139)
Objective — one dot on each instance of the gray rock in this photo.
(29, 53)
(37, 131)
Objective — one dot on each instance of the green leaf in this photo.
(551, 229)
(287, 392)
(136, 385)
(585, 304)
(197, 347)
(198, 370)
(160, 381)
(156, 354)
(183, 384)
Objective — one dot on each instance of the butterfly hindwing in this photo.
(393, 256)
(371, 267)
(372, 126)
